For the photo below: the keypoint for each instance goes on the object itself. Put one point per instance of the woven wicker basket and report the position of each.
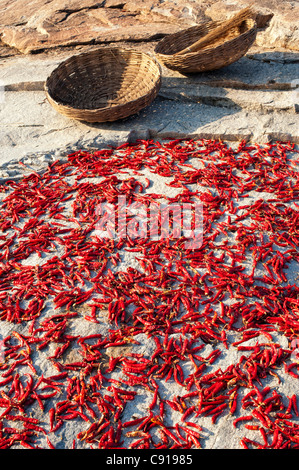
(220, 53)
(106, 84)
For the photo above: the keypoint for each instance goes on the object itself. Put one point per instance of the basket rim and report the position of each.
(113, 107)
(207, 49)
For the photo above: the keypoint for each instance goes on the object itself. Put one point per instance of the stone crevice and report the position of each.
(70, 11)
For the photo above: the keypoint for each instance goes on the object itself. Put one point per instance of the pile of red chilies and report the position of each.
(194, 305)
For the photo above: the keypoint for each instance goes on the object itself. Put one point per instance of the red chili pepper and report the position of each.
(169, 298)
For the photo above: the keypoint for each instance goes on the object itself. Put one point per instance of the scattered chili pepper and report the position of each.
(186, 300)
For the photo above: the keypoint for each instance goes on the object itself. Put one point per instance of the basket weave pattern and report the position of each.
(222, 52)
(104, 85)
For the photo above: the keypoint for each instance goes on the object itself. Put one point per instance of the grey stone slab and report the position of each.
(30, 124)
(274, 70)
(264, 101)
(27, 68)
(256, 69)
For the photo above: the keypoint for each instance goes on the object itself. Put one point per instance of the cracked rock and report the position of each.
(278, 22)
(64, 23)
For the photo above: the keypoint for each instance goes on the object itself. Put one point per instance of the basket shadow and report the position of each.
(181, 107)
(172, 116)
(191, 90)
(187, 102)
(255, 70)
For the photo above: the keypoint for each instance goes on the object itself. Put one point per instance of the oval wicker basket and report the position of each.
(106, 84)
(220, 53)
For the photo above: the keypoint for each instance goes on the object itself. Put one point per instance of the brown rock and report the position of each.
(283, 31)
(44, 24)
(183, 13)
(6, 51)
(69, 23)
(28, 40)
(220, 11)
(279, 19)
(114, 4)
(18, 12)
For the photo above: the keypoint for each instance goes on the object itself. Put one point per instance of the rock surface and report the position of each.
(278, 21)
(242, 101)
(65, 23)
(42, 24)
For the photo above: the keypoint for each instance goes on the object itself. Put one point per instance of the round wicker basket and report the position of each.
(223, 51)
(106, 84)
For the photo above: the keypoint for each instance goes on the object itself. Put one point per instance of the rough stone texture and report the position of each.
(282, 32)
(220, 10)
(64, 23)
(279, 20)
(29, 40)
(41, 24)
(242, 101)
